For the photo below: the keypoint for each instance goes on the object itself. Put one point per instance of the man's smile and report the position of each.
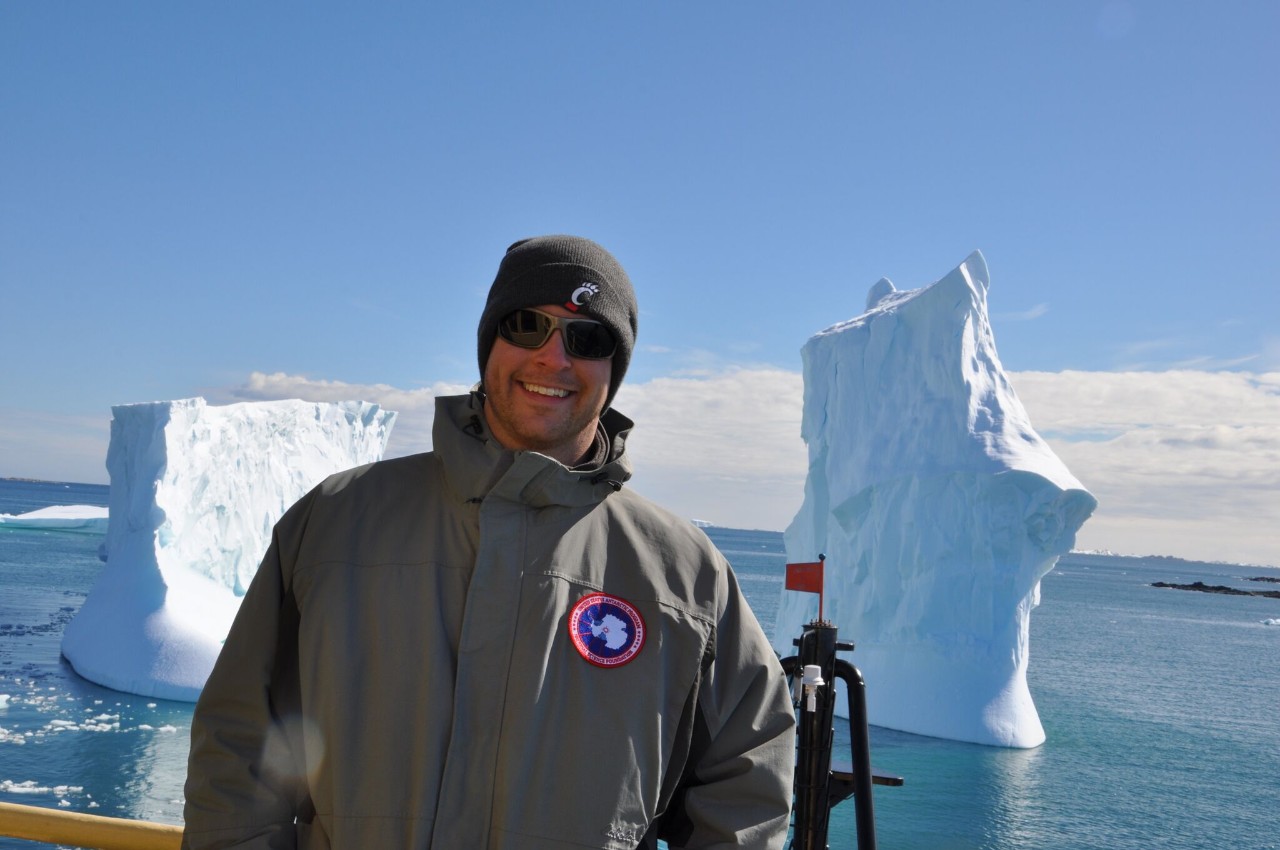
(553, 392)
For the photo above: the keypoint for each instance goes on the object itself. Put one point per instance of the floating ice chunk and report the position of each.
(29, 786)
(84, 519)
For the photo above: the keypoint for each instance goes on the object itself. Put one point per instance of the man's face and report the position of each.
(542, 399)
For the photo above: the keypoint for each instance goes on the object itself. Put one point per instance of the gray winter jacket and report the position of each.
(474, 648)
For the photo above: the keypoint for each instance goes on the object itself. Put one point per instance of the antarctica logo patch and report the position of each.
(606, 630)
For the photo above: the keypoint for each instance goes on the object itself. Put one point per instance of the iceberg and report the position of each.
(195, 492)
(80, 519)
(938, 508)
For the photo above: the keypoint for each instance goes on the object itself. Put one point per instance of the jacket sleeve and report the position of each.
(245, 783)
(737, 786)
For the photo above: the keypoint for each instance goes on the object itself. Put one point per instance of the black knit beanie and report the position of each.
(573, 272)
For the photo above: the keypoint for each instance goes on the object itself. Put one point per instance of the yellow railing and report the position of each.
(51, 826)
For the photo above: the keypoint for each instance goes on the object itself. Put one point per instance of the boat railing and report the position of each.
(76, 829)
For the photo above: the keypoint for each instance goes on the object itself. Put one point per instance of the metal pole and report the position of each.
(860, 743)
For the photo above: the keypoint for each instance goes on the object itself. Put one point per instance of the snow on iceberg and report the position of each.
(939, 509)
(195, 491)
(81, 519)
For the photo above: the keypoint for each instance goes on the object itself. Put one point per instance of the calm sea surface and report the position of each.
(1162, 709)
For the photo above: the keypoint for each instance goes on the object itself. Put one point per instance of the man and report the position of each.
(495, 645)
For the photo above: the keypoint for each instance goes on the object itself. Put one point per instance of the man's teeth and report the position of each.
(551, 391)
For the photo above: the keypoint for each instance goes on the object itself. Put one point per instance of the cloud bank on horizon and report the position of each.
(1183, 463)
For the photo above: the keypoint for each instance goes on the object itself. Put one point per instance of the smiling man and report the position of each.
(495, 644)
(545, 399)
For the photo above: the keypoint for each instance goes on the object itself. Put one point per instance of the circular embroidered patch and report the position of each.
(606, 630)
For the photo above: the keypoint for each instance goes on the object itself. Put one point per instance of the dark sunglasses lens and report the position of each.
(589, 339)
(525, 328)
(531, 329)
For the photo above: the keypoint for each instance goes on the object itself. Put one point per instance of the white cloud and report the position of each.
(1025, 316)
(1207, 363)
(1182, 463)
(725, 448)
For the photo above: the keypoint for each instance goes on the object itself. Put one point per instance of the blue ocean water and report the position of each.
(1162, 709)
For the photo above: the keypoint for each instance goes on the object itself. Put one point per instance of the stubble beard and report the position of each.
(570, 433)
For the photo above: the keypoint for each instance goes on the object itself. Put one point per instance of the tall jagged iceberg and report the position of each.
(939, 509)
(195, 492)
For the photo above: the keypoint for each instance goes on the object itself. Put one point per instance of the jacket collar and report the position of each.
(476, 466)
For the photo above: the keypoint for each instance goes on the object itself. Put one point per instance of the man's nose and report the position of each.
(553, 351)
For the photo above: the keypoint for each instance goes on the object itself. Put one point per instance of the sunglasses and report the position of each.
(583, 338)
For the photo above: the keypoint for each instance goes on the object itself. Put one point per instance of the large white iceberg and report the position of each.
(938, 507)
(195, 491)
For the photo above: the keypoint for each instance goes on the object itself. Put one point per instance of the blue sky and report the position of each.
(195, 194)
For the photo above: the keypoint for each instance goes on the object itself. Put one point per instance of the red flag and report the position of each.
(805, 577)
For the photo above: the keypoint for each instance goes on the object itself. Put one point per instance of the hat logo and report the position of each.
(606, 631)
(582, 295)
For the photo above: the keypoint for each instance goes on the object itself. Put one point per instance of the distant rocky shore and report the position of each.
(1220, 588)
